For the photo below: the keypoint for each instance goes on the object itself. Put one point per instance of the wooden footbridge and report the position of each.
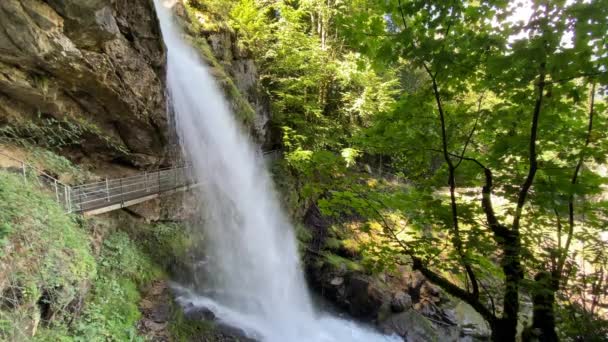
(112, 194)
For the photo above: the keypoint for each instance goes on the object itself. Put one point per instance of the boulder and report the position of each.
(401, 301)
(337, 281)
(198, 313)
(470, 322)
(411, 326)
(364, 299)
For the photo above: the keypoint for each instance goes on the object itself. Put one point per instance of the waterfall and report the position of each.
(258, 282)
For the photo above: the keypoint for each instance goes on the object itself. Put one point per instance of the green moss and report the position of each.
(333, 243)
(339, 262)
(167, 243)
(303, 234)
(290, 190)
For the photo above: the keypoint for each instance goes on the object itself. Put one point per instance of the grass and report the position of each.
(56, 164)
(112, 309)
(46, 258)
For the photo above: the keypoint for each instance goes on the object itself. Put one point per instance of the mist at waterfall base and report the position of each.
(253, 257)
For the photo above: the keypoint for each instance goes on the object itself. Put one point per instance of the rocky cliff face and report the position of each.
(88, 69)
(239, 64)
(232, 66)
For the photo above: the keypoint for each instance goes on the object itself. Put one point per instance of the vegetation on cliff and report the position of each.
(42, 275)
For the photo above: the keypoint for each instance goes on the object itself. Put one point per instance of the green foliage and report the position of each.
(121, 256)
(579, 324)
(316, 169)
(55, 164)
(44, 271)
(321, 93)
(112, 311)
(216, 9)
(166, 243)
(49, 132)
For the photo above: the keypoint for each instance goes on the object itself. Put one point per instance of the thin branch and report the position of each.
(587, 74)
(559, 236)
(470, 136)
(485, 289)
(574, 181)
(432, 276)
(460, 157)
(454, 290)
(533, 166)
(402, 15)
(380, 34)
(452, 183)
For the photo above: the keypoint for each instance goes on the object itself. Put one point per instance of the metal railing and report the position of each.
(31, 173)
(102, 194)
(110, 192)
(91, 196)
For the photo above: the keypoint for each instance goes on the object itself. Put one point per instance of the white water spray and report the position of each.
(252, 249)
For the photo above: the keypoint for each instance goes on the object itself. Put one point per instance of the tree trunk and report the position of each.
(511, 266)
(502, 330)
(543, 299)
(547, 284)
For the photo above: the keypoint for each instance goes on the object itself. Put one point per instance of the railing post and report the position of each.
(158, 173)
(107, 190)
(67, 195)
(122, 198)
(81, 201)
(146, 181)
(56, 190)
(24, 173)
(175, 178)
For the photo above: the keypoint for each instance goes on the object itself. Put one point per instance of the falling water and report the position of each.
(259, 285)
